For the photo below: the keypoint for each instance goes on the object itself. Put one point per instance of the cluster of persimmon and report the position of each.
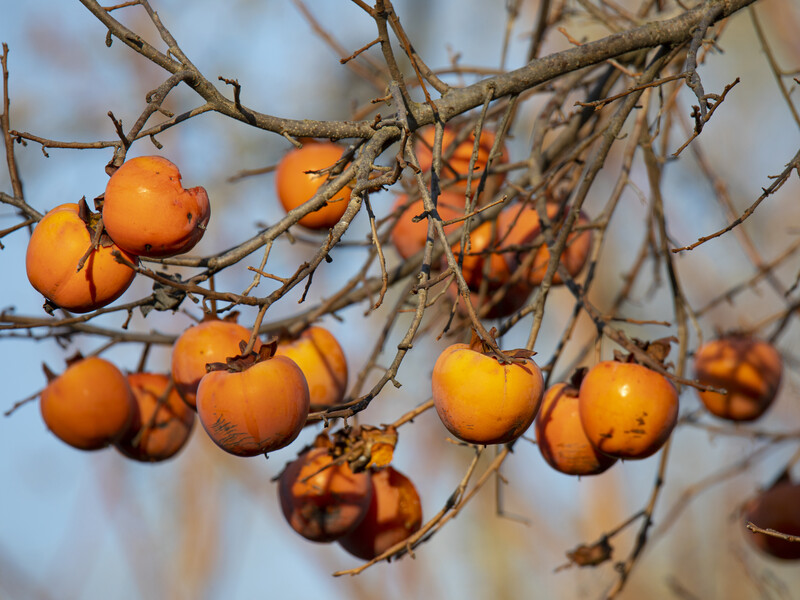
(145, 212)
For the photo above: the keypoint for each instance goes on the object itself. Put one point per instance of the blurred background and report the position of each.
(208, 525)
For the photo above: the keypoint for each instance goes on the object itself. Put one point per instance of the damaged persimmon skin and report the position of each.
(483, 401)
(147, 212)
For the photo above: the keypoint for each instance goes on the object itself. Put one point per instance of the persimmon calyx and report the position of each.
(517, 356)
(658, 350)
(242, 362)
(93, 221)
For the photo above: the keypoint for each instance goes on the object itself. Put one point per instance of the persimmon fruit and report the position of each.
(482, 401)
(253, 404)
(162, 421)
(296, 182)
(55, 249)
(210, 341)
(146, 210)
(90, 405)
(409, 237)
(394, 514)
(749, 369)
(323, 501)
(627, 410)
(777, 508)
(321, 358)
(560, 435)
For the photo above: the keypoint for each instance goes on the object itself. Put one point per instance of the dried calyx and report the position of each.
(242, 362)
(517, 356)
(657, 350)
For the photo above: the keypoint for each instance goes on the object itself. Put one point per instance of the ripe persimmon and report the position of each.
(560, 435)
(160, 427)
(522, 226)
(146, 210)
(58, 243)
(323, 501)
(319, 355)
(253, 404)
(296, 181)
(457, 166)
(776, 508)
(394, 513)
(409, 237)
(481, 400)
(749, 369)
(210, 341)
(627, 410)
(89, 405)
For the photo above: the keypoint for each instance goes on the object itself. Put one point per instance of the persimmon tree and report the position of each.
(538, 163)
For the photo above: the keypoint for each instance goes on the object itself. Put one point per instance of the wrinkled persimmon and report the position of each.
(88, 406)
(750, 370)
(560, 435)
(627, 410)
(482, 401)
(162, 422)
(210, 341)
(777, 508)
(409, 237)
(297, 180)
(323, 501)
(394, 513)
(147, 212)
(319, 355)
(55, 249)
(256, 404)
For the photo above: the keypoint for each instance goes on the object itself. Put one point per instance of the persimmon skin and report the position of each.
(323, 504)
(319, 355)
(394, 514)
(207, 342)
(776, 508)
(409, 237)
(147, 212)
(561, 438)
(627, 410)
(171, 428)
(481, 401)
(259, 410)
(88, 406)
(295, 186)
(56, 246)
(523, 227)
(459, 161)
(749, 369)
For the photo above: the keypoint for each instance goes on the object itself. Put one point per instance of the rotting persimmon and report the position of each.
(560, 435)
(90, 405)
(253, 404)
(483, 399)
(627, 410)
(456, 168)
(59, 241)
(777, 508)
(297, 180)
(749, 369)
(323, 500)
(162, 421)
(394, 514)
(212, 340)
(318, 354)
(147, 212)
(409, 237)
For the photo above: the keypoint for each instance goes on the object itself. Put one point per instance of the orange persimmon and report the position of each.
(159, 428)
(296, 182)
(57, 245)
(146, 210)
(323, 501)
(409, 237)
(88, 406)
(627, 410)
(749, 369)
(319, 355)
(210, 341)
(394, 513)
